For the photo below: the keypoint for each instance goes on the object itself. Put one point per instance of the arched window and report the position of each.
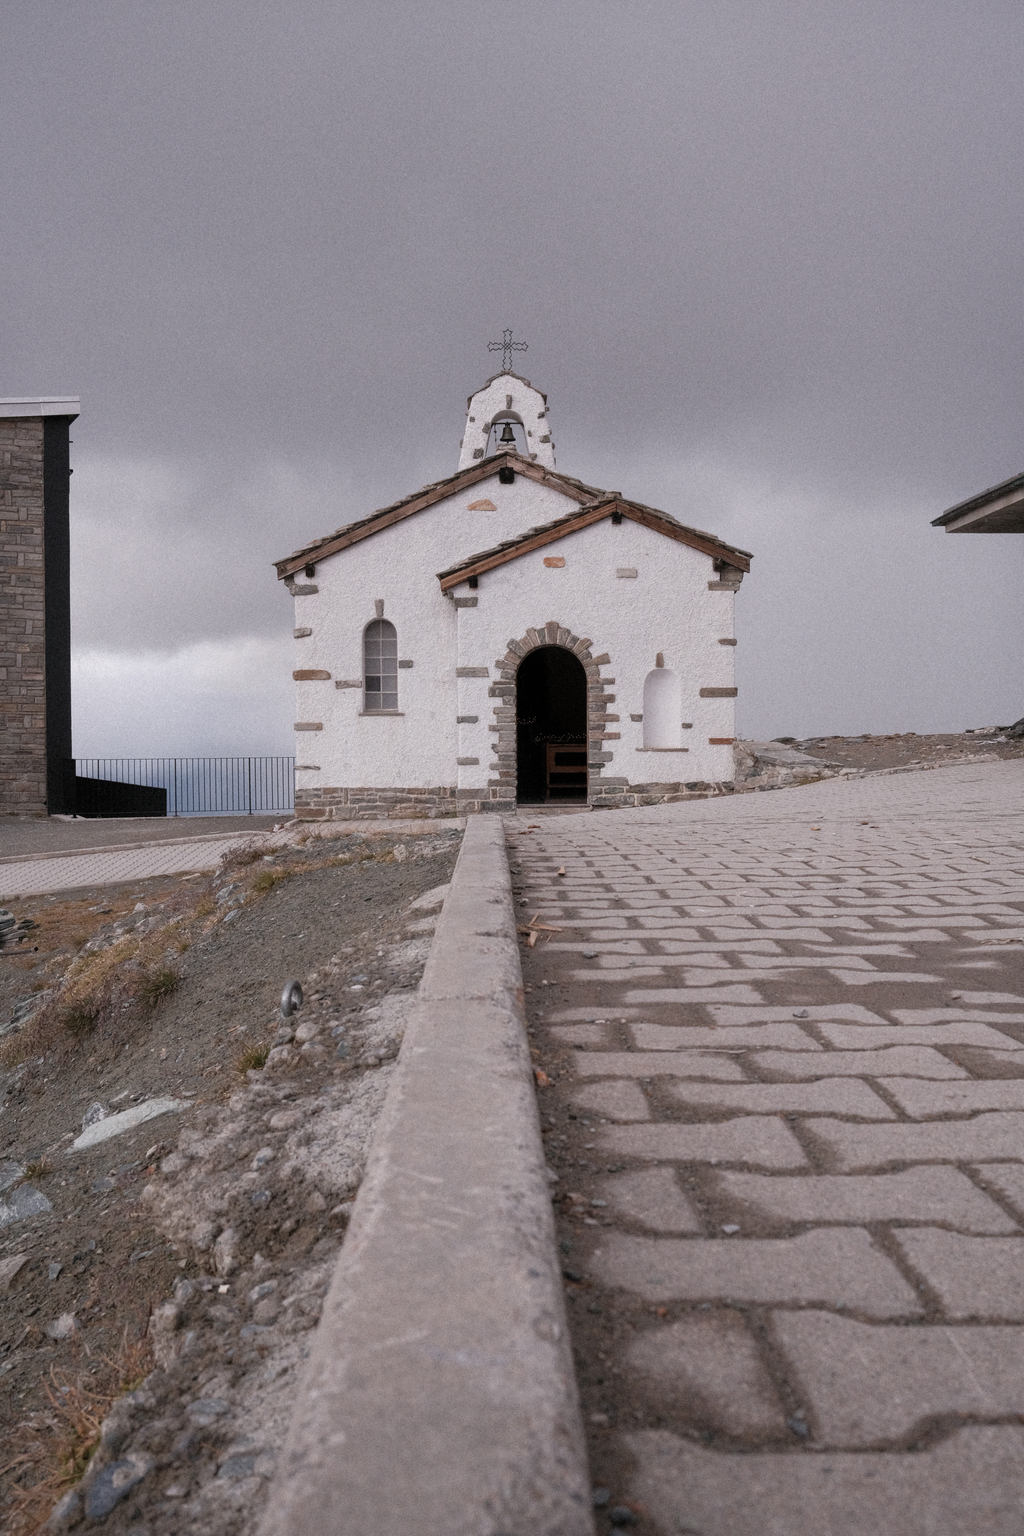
(380, 666)
(662, 708)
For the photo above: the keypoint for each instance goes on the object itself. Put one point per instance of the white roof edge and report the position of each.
(41, 405)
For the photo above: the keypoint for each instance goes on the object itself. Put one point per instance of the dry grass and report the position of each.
(48, 1453)
(158, 984)
(81, 1018)
(252, 1059)
(94, 991)
(249, 853)
(95, 988)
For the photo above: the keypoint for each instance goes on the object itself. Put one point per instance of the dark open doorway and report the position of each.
(551, 727)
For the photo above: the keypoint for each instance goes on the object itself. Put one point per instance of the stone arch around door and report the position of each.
(502, 786)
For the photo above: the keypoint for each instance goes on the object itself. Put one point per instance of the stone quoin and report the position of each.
(558, 643)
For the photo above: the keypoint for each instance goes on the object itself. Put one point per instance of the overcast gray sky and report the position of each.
(767, 257)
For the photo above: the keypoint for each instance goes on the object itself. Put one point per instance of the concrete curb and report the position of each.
(439, 1397)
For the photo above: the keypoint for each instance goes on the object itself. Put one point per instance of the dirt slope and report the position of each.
(221, 1217)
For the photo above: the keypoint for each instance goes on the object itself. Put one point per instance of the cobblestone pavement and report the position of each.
(791, 1027)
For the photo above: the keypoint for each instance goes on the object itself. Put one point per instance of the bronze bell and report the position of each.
(507, 435)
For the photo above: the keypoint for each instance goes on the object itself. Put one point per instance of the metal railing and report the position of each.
(199, 786)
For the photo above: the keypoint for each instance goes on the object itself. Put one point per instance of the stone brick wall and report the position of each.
(23, 765)
(369, 804)
(613, 794)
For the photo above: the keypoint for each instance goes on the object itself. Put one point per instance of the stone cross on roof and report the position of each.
(506, 347)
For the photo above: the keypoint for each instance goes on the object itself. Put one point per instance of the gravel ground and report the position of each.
(909, 750)
(199, 1242)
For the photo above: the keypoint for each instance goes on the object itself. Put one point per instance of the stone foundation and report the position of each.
(615, 794)
(369, 804)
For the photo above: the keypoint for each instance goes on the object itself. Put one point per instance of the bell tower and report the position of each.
(507, 416)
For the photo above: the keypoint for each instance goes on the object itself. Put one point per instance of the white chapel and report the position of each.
(510, 636)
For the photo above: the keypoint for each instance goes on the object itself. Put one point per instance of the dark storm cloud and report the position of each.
(767, 258)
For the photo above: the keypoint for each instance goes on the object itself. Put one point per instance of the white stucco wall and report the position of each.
(399, 565)
(491, 401)
(665, 608)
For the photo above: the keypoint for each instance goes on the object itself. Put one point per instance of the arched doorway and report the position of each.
(551, 726)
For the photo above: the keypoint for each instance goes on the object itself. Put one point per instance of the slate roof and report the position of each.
(594, 504)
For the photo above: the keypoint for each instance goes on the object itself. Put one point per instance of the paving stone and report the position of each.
(770, 1013)
(707, 1368)
(971, 1484)
(894, 1061)
(1007, 1179)
(922, 1099)
(726, 992)
(765, 1143)
(857, 1037)
(589, 1014)
(618, 1100)
(668, 1037)
(869, 1385)
(841, 958)
(652, 1197)
(972, 1276)
(591, 1035)
(999, 1134)
(828, 1267)
(958, 1015)
(829, 1096)
(735, 944)
(852, 978)
(731, 893)
(986, 1063)
(918, 1194)
(990, 999)
(716, 1065)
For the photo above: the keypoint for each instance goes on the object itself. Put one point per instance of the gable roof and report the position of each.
(594, 505)
(1000, 509)
(604, 506)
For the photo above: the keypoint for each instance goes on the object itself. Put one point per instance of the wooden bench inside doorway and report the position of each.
(566, 775)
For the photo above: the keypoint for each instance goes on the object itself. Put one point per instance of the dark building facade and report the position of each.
(35, 606)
